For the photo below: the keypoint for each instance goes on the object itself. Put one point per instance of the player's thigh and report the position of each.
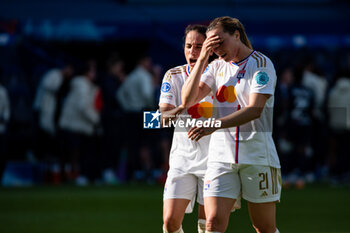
(201, 212)
(174, 210)
(261, 187)
(222, 180)
(200, 187)
(180, 186)
(200, 198)
(260, 184)
(221, 189)
(217, 210)
(220, 207)
(263, 216)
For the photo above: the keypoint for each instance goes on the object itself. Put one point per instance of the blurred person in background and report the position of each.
(21, 138)
(301, 164)
(339, 122)
(314, 79)
(282, 117)
(112, 120)
(45, 101)
(48, 101)
(135, 95)
(4, 119)
(79, 120)
(157, 72)
(163, 136)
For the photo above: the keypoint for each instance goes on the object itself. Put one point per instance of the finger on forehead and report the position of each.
(212, 36)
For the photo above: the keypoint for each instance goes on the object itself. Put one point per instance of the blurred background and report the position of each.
(71, 106)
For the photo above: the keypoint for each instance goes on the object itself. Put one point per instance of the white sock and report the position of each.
(277, 231)
(178, 231)
(201, 225)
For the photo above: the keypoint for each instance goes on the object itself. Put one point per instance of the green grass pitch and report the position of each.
(138, 208)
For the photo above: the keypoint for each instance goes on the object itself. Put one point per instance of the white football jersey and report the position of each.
(185, 155)
(232, 84)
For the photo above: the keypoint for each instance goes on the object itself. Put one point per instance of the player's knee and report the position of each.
(265, 228)
(214, 223)
(171, 224)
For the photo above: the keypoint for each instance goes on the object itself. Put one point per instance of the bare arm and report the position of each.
(191, 91)
(242, 116)
(249, 113)
(169, 113)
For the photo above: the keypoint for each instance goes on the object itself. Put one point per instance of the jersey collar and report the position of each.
(188, 72)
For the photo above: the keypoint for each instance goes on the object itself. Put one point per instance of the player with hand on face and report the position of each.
(188, 158)
(242, 156)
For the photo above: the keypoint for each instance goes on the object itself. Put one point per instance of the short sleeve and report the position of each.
(168, 90)
(264, 80)
(208, 76)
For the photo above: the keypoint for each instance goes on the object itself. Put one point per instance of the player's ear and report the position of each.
(236, 35)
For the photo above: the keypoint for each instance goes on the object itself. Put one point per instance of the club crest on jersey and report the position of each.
(262, 78)
(207, 185)
(166, 87)
(241, 74)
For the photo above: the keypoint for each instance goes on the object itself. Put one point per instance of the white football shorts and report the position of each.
(181, 185)
(256, 183)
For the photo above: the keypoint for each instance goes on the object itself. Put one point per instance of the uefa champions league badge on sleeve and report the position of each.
(262, 78)
(166, 87)
(151, 119)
